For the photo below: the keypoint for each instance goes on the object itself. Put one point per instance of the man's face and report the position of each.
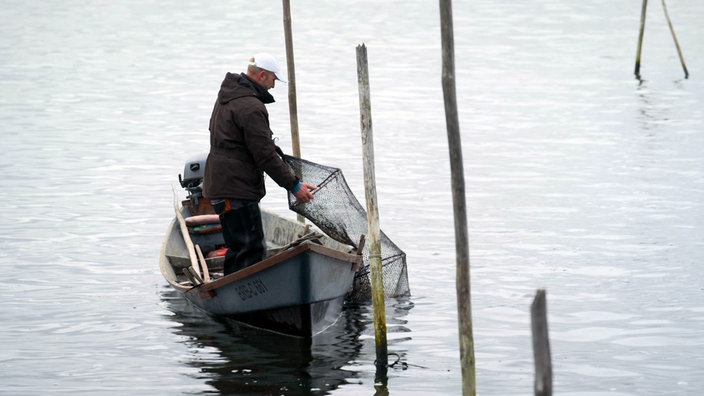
(267, 79)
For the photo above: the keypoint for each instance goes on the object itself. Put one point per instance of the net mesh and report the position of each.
(336, 211)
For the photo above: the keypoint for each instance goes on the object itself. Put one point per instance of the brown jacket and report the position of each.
(241, 145)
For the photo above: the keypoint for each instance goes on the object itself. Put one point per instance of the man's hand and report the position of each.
(304, 193)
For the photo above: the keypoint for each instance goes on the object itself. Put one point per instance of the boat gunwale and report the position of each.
(353, 259)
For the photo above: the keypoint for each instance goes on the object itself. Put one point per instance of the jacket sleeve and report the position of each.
(258, 139)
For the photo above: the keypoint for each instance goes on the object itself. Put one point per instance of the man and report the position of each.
(241, 150)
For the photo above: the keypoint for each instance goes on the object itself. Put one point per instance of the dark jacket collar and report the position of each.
(240, 85)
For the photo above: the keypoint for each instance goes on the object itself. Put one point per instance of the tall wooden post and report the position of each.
(464, 301)
(292, 101)
(290, 65)
(372, 209)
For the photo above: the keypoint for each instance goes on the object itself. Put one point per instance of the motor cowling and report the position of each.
(192, 178)
(193, 172)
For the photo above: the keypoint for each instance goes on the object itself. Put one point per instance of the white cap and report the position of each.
(267, 62)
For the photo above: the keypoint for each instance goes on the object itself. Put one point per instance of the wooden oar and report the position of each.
(185, 234)
(203, 264)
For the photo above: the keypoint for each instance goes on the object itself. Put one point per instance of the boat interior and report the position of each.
(281, 234)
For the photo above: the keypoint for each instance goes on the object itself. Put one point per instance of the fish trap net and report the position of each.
(338, 213)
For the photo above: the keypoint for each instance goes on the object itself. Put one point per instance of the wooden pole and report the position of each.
(372, 209)
(292, 101)
(541, 346)
(640, 37)
(290, 65)
(674, 37)
(464, 302)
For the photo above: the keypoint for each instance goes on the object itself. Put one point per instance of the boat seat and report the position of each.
(184, 261)
(312, 236)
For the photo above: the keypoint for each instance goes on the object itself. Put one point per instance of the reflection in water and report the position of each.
(660, 103)
(237, 359)
(233, 358)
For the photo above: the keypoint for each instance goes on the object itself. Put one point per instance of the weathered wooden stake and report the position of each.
(290, 65)
(374, 238)
(292, 101)
(541, 346)
(640, 37)
(674, 37)
(464, 301)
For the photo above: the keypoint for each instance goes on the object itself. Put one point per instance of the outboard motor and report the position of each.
(192, 180)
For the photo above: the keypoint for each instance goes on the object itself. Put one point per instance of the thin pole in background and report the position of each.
(464, 300)
(640, 37)
(674, 37)
(642, 32)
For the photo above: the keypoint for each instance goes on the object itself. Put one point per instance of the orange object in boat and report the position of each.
(217, 252)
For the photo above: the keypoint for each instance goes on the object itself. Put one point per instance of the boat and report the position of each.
(297, 290)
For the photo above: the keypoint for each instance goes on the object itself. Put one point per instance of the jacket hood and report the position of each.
(238, 86)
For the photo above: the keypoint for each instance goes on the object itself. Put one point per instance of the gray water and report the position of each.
(580, 180)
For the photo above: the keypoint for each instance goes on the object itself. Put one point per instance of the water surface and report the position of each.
(580, 180)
